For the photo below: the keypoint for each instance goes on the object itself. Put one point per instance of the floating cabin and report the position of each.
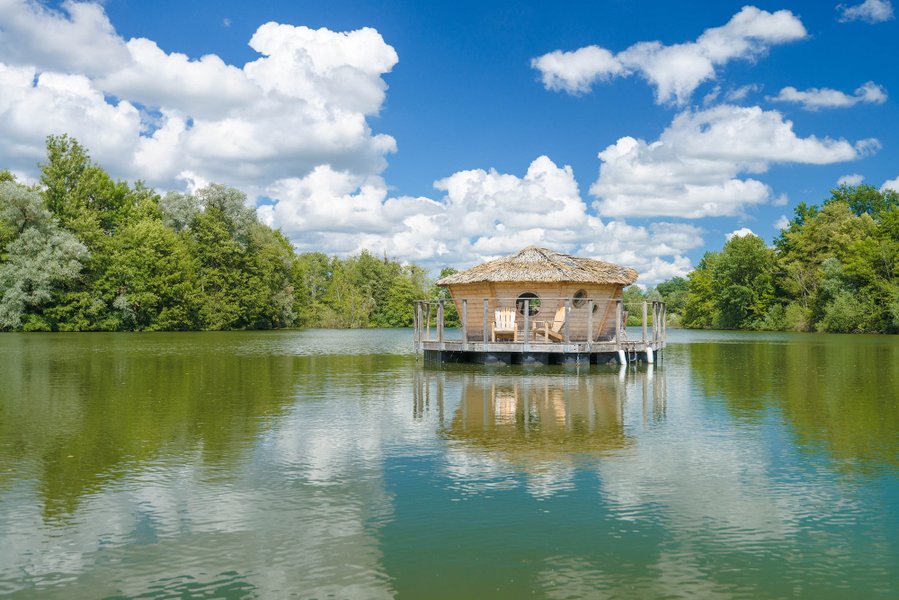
(538, 307)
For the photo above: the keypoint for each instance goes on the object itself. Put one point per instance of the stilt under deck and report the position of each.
(598, 345)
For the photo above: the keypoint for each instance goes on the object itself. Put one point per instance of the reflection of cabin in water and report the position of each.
(541, 415)
(530, 419)
(538, 306)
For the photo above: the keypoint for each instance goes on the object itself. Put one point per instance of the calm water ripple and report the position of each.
(331, 464)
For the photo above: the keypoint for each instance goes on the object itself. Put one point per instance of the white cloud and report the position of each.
(853, 179)
(693, 170)
(34, 105)
(146, 113)
(291, 126)
(782, 223)
(575, 72)
(818, 98)
(200, 88)
(482, 215)
(78, 39)
(870, 11)
(739, 94)
(677, 70)
(742, 232)
(890, 184)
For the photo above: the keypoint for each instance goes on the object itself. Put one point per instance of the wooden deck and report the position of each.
(476, 345)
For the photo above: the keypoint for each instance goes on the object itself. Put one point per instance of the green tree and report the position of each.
(743, 281)
(674, 294)
(865, 199)
(151, 277)
(39, 259)
(270, 262)
(221, 271)
(80, 193)
(700, 309)
(310, 276)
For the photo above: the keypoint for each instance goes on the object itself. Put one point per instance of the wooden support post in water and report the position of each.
(644, 320)
(486, 315)
(590, 321)
(567, 320)
(465, 323)
(440, 321)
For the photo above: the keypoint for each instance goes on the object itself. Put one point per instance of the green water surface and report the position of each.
(332, 464)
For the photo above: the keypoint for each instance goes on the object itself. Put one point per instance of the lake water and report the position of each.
(332, 464)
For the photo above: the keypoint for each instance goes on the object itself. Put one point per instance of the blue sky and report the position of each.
(337, 118)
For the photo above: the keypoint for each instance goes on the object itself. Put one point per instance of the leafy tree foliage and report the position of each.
(674, 293)
(85, 252)
(835, 268)
(39, 258)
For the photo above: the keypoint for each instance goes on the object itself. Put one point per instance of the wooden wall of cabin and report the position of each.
(552, 296)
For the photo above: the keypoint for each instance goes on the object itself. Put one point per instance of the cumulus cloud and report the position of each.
(853, 179)
(693, 170)
(78, 39)
(481, 215)
(34, 105)
(676, 70)
(890, 184)
(575, 72)
(290, 126)
(818, 98)
(869, 11)
(741, 232)
(151, 114)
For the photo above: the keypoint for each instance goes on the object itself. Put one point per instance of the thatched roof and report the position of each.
(534, 264)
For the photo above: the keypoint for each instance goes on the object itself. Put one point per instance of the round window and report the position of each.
(580, 298)
(531, 300)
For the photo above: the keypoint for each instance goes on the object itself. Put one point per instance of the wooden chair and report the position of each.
(503, 326)
(552, 330)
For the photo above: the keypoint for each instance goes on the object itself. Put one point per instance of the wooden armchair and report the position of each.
(503, 326)
(552, 330)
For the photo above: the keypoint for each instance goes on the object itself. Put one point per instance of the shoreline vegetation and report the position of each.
(82, 252)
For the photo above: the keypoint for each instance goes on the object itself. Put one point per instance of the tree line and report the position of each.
(834, 268)
(83, 252)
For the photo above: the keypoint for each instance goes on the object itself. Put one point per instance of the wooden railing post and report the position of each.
(486, 314)
(617, 322)
(644, 319)
(418, 316)
(655, 321)
(664, 322)
(590, 321)
(440, 321)
(465, 322)
(567, 320)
